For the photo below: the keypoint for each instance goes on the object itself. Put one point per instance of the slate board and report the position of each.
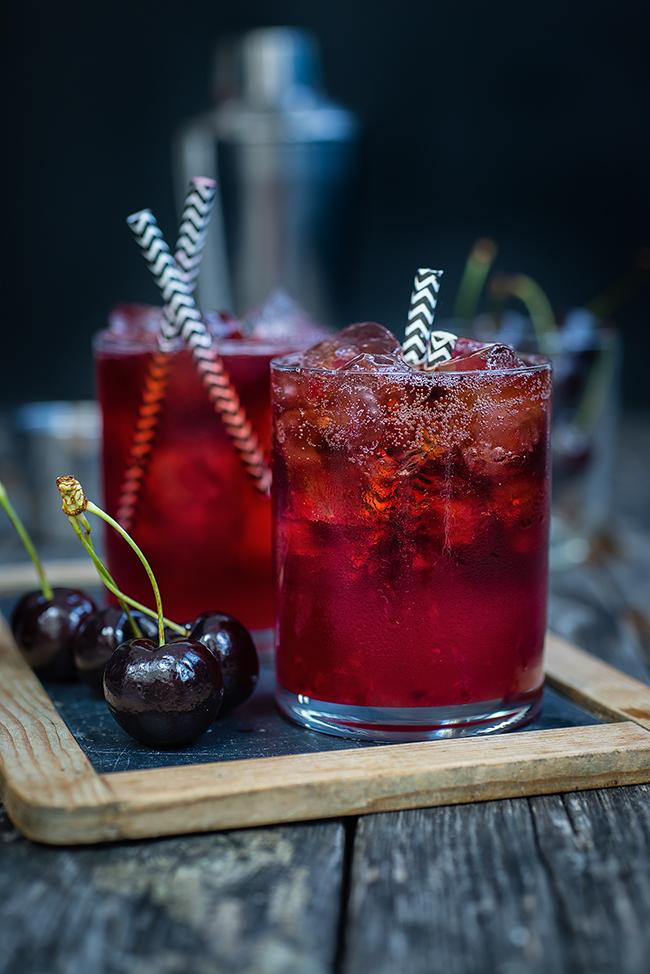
(254, 730)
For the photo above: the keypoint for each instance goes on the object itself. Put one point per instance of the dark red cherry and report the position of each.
(45, 630)
(99, 636)
(230, 642)
(163, 696)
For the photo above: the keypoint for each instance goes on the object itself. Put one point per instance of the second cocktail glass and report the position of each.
(204, 525)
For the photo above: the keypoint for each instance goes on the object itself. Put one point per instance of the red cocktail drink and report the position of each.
(203, 525)
(411, 537)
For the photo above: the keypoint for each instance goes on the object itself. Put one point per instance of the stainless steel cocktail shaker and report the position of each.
(283, 154)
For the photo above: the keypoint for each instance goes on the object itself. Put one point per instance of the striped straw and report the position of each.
(422, 347)
(420, 315)
(189, 247)
(439, 348)
(194, 228)
(182, 318)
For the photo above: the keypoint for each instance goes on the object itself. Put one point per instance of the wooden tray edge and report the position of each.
(598, 687)
(53, 795)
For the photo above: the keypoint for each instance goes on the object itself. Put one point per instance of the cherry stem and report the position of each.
(145, 564)
(75, 504)
(46, 588)
(112, 587)
(102, 571)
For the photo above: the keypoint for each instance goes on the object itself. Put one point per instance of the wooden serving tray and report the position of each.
(53, 794)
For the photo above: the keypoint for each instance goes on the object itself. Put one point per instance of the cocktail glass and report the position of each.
(411, 514)
(203, 524)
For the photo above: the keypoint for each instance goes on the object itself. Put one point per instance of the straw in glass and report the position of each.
(182, 319)
(420, 315)
(189, 247)
(422, 347)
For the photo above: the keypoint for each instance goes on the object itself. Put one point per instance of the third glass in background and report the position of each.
(585, 415)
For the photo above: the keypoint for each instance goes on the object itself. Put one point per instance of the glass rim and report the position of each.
(533, 362)
(107, 341)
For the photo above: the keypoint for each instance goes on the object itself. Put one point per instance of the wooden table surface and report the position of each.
(553, 884)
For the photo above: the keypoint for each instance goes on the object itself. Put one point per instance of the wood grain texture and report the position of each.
(260, 901)
(41, 765)
(595, 848)
(548, 885)
(302, 787)
(603, 689)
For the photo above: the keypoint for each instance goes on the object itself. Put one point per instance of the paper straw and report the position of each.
(155, 385)
(182, 318)
(439, 348)
(420, 315)
(422, 347)
(194, 228)
(189, 247)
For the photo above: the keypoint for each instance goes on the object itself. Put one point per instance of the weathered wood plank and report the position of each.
(532, 886)
(451, 891)
(594, 684)
(41, 764)
(262, 901)
(595, 848)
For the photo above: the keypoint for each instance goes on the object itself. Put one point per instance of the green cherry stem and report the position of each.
(110, 583)
(46, 588)
(477, 268)
(102, 571)
(154, 584)
(539, 308)
(75, 504)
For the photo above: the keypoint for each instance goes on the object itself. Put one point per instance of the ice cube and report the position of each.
(489, 357)
(221, 324)
(372, 362)
(135, 322)
(507, 423)
(451, 516)
(464, 346)
(518, 500)
(364, 337)
(281, 318)
(142, 323)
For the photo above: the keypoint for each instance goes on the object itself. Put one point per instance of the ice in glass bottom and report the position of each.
(404, 724)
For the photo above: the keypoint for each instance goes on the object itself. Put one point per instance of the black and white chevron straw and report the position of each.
(420, 315)
(182, 318)
(189, 246)
(422, 346)
(194, 228)
(439, 348)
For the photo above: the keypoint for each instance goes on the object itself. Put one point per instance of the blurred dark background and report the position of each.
(525, 123)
